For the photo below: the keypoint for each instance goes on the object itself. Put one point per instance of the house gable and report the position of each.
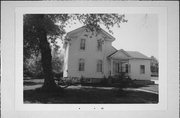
(122, 54)
(75, 33)
(137, 55)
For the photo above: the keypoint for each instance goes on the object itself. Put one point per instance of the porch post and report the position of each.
(111, 67)
(121, 67)
(128, 68)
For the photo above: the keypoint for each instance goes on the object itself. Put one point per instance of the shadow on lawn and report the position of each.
(30, 83)
(89, 95)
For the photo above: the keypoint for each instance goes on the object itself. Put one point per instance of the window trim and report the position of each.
(99, 45)
(82, 44)
(99, 65)
(142, 69)
(81, 65)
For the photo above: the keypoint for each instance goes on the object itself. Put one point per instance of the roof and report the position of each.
(69, 34)
(136, 54)
(128, 55)
(112, 53)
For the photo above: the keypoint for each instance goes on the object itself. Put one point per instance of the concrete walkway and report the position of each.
(132, 89)
(38, 83)
(151, 89)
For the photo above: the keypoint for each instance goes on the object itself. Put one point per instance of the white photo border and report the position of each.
(162, 43)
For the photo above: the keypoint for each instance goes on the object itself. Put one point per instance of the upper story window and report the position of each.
(142, 69)
(81, 64)
(99, 45)
(99, 66)
(82, 44)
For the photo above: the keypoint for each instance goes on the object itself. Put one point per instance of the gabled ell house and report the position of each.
(91, 55)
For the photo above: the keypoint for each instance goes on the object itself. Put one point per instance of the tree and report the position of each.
(154, 65)
(32, 67)
(57, 60)
(42, 29)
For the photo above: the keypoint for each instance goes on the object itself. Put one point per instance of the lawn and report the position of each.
(85, 94)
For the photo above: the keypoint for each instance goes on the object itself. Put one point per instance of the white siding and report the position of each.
(135, 69)
(91, 56)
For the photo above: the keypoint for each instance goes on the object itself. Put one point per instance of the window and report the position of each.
(126, 70)
(99, 66)
(118, 69)
(81, 64)
(82, 44)
(142, 69)
(99, 45)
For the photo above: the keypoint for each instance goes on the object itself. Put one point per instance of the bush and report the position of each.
(122, 81)
(82, 81)
(58, 75)
(104, 81)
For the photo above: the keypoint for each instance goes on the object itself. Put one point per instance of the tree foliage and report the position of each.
(95, 20)
(32, 25)
(154, 65)
(55, 24)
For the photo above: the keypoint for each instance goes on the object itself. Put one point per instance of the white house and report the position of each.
(91, 55)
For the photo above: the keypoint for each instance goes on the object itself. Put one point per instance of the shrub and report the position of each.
(104, 81)
(122, 81)
(82, 80)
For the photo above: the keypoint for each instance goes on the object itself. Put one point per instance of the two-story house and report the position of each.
(91, 55)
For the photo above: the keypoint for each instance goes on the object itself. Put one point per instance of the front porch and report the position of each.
(119, 67)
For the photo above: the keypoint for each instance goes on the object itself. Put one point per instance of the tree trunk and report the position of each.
(46, 60)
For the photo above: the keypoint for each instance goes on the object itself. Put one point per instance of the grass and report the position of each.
(88, 95)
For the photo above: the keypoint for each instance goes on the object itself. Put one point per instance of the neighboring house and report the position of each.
(91, 55)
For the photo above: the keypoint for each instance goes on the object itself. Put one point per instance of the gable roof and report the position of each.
(128, 55)
(136, 54)
(112, 53)
(69, 34)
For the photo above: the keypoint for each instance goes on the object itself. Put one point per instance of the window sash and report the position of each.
(99, 45)
(81, 65)
(99, 66)
(127, 68)
(142, 69)
(82, 44)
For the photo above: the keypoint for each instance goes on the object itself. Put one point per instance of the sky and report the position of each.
(140, 33)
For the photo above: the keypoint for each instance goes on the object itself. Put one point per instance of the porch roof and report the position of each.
(125, 55)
